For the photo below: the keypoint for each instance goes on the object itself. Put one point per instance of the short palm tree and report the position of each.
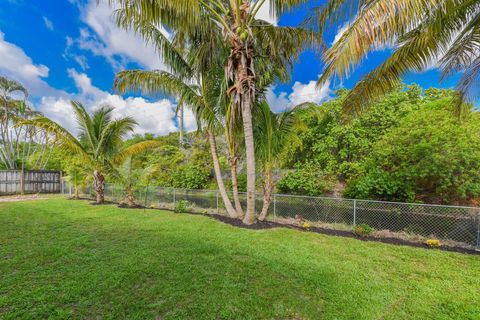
(99, 143)
(273, 133)
(247, 38)
(129, 177)
(445, 33)
(77, 177)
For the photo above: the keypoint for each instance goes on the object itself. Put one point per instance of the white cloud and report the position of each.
(156, 117)
(85, 87)
(108, 40)
(48, 23)
(301, 93)
(82, 62)
(16, 64)
(68, 54)
(340, 32)
(265, 14)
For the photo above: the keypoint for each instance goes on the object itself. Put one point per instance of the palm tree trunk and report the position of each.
(241, 72)
(218, 175)
(250, 158)
(182, 114)
(99, 184)
(267, 194)
(236, 197)
(76, 193)
(130, 197)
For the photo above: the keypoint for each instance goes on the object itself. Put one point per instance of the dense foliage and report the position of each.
(409, 146)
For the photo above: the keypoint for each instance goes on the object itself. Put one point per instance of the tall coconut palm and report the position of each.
(243, 33)
(99, 142)
(273, 133)
(201, 94)
(422, 33)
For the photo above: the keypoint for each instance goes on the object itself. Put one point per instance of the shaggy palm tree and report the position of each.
(99, 142)
(246, 36)
(445, 33)
(201, 94)
(273, 133)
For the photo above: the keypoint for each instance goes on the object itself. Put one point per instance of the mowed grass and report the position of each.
(63, 259)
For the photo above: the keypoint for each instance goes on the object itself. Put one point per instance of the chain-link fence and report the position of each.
(455, 225)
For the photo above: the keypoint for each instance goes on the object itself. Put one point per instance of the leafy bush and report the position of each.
(181, 206)
(363, 230)
(190, 177)
(308, 180)
(430, 157)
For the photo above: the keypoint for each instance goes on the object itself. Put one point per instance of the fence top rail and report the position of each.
(36, 171)
(337, 199)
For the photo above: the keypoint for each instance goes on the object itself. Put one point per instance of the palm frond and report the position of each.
(135, 149)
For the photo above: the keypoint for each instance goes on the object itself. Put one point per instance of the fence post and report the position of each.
(146, 197)
(478, 232)
(274, 207)
(354, 212)
(174, 199)
(22, 181)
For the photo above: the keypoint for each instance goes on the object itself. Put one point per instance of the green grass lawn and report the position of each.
(64, 259)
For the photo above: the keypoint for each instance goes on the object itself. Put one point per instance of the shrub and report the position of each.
(433, 243)
(190, 177)
(306, 226)
(181, 206)
(363, 230)
(308, 180)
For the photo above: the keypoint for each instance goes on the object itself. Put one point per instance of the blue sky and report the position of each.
(71, 49)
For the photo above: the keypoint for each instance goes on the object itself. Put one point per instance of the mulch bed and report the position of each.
(261, 225)
(264, 225)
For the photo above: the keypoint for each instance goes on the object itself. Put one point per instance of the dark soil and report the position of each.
(264, 225)
(126, 206)
(101, 204)
(260, 225)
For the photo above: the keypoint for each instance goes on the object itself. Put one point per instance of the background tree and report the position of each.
(99, 141)
(273, 132)
(18, 142)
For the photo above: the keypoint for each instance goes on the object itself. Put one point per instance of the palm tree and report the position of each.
(233, 130)
(11, 108)
(445, 33)
(201, 94)
(99, 143)
(130, 176)
(77, 177)
(246, 36)
(273, 133)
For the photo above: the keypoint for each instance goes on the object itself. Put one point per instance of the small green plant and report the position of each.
(363, 230)
(204, 211)
(181, 206)
(306, 225)
(433, 243)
